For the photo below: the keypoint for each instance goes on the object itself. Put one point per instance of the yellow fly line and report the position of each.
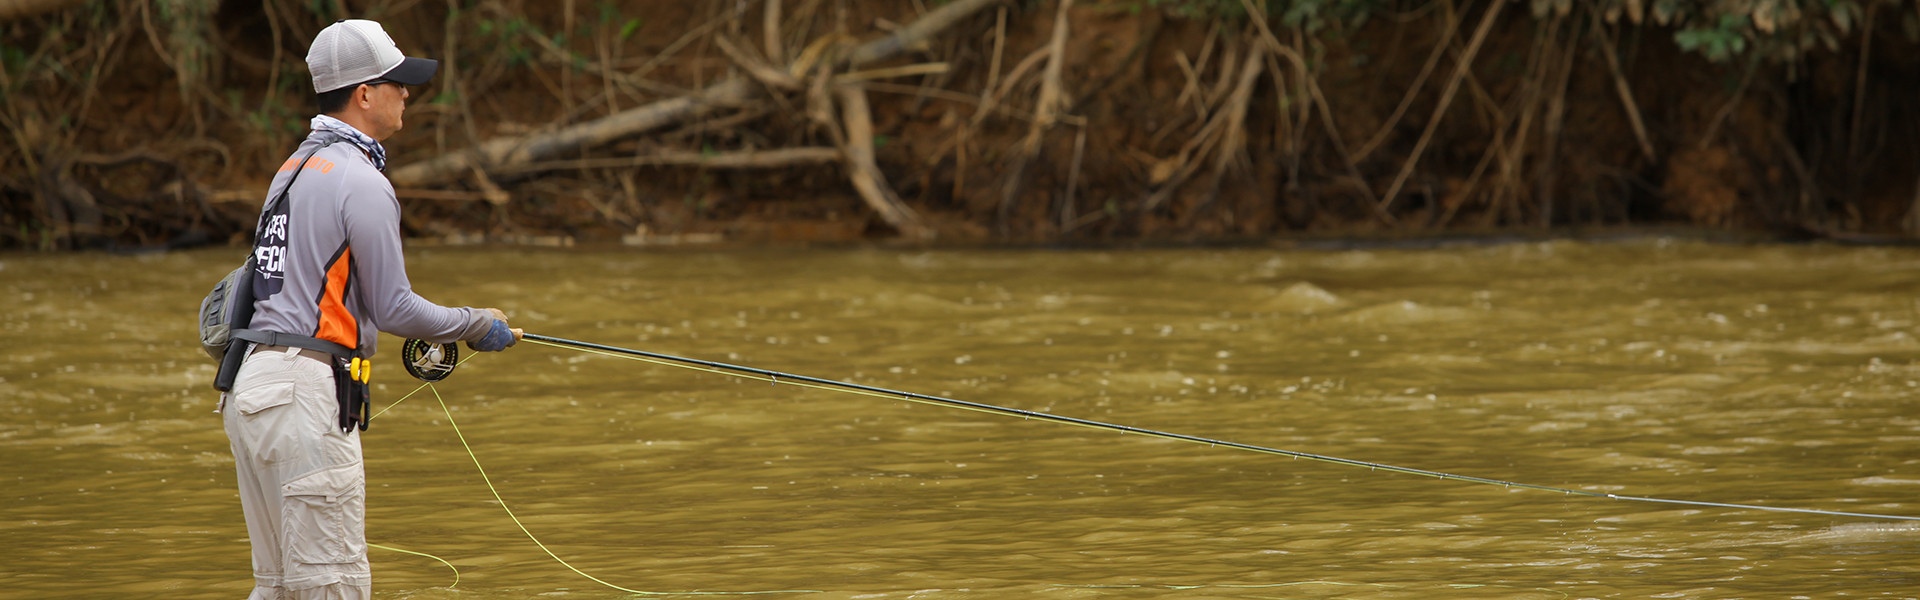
(523, 527)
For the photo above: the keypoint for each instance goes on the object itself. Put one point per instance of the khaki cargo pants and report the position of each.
(302, 483)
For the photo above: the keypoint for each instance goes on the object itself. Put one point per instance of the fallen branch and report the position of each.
(757, 159)
(507, 152)
(865, 173)
(768, 75)
(891, 72)
(733, 92)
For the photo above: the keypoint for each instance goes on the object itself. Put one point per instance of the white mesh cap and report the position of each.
(355, 51)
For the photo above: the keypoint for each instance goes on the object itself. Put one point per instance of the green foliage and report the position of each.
(505, 33)
(1719, 30)
(13, 59)
(1782, 30)
(1719, 41)
(324, 8)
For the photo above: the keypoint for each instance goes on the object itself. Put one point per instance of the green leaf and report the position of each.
(632, 25)
(15, 59)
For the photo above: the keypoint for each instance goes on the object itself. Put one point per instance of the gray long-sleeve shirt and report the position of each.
(332, 264)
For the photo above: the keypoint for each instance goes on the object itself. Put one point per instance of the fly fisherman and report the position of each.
(330, 276)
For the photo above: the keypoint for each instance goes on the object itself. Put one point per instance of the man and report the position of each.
(330, 276)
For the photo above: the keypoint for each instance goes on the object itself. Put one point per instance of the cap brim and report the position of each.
(413, 71)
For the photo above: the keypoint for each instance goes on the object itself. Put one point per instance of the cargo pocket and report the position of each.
(325, 516)
(274, 389)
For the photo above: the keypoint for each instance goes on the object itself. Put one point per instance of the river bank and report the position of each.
(974, 121)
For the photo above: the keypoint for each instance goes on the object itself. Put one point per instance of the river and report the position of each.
(1765, 375)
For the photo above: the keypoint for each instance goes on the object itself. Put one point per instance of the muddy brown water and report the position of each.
(1747, 374)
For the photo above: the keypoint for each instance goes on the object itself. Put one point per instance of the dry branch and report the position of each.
(1006, 85)
(757, 159)
(508, 152)
(1047, 111)
(768, 75)
(865, 172)
(1326, 112)
(1420, 81)
(1233, 145)
(1220, 137)
(770, 30)
(1446, 98)
(1067, 208)
(1052, 102)
(1625, 92)
(891, 72)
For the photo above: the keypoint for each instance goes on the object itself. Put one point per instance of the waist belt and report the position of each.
(271, 338)
(323, 357)
(351, 372)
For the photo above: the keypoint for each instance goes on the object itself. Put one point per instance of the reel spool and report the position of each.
(429, 362)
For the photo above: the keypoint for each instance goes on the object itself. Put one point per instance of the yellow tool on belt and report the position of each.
(360, 370)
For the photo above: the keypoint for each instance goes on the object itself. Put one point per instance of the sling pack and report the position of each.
(226, 311)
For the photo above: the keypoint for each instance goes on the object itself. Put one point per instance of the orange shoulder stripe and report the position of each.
(337, 324)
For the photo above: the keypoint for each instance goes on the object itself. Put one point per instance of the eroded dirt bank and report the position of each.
(137, 124)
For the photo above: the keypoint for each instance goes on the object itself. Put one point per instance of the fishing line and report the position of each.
(543, 546)
(415, 391)
(440, 371)
(456, 570)
(776, 378)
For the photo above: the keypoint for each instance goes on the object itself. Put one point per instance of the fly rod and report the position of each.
(776, 378)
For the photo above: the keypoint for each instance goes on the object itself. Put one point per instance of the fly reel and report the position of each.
(428, 361)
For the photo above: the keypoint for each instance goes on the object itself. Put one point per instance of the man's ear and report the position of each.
(363, 96)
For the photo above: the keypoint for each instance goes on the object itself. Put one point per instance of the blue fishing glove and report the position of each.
(498, 338)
